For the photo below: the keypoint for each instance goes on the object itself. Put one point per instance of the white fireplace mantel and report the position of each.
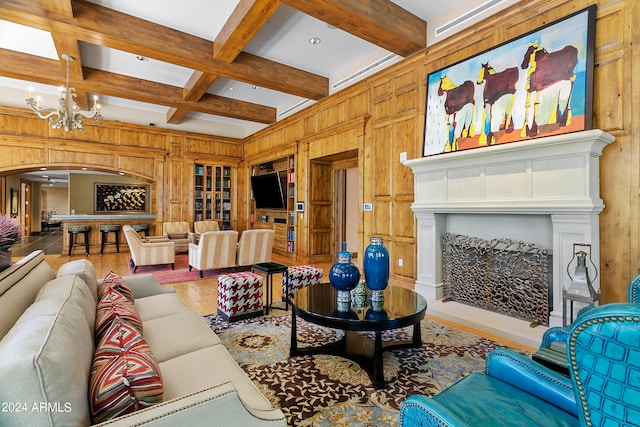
(557, 176)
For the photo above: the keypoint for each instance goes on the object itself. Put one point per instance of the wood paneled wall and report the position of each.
(394, 102)
(164, 158)
(389, 110)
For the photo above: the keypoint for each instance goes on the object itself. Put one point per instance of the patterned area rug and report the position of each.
(332, 391)
(165, 275)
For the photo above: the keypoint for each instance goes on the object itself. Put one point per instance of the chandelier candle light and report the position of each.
(67, 115)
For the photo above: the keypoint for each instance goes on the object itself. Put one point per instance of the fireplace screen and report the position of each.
(500, 275)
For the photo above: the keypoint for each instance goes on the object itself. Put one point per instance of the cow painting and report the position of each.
(550, 75)
(458, 106)
(498, 97)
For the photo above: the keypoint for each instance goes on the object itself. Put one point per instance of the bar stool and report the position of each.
(78, 229)
(105, 229)
(144, 228)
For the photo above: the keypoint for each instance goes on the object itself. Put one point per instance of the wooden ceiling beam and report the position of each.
(196, 87)
(46, 71)
(380, 22)
(106, 27)
(63, 9)
(245, 21)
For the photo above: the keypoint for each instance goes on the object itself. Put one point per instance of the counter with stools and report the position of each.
(73, 231)
(105, 229)
(95, 236)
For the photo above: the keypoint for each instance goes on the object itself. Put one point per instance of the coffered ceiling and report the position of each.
(223, 67)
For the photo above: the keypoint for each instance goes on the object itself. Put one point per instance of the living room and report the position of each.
(372, 122)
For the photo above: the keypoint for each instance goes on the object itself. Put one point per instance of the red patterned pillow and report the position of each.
(112, 305)
(125, 375)
(114, 281)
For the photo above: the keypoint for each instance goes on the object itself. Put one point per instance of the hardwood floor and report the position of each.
(201, 295)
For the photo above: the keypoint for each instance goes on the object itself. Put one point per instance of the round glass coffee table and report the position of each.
(400, 308)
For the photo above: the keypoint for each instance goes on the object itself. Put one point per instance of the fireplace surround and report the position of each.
(544, 190)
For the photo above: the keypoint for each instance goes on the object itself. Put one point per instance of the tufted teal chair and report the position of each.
(559, 334)
(604, 359)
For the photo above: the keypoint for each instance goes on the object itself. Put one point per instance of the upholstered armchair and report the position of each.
(604, 361)
(554, 339)
(200, 227)
(179, 232)
(255, 246)
(215, 249)
(149, 252)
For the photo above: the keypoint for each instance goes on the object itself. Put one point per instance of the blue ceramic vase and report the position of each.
(376, 267)
(344, 275)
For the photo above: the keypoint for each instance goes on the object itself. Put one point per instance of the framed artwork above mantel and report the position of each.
(538, 84)
(121, 197)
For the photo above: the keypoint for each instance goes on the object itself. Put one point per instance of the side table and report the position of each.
(269, 269)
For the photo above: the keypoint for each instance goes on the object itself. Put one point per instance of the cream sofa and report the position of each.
(47, 347)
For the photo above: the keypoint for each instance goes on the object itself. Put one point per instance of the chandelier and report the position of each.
(67, 115)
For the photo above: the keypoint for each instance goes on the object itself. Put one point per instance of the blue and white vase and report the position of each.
(376, 268)
(344, 275)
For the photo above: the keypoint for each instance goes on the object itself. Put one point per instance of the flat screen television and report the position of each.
(268, 190)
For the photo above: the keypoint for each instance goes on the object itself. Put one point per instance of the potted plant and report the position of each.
(10, 233)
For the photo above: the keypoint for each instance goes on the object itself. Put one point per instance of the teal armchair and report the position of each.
(603, 350)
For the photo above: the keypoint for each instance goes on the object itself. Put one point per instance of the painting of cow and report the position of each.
(498, 99)
(553, 72)
(458, 106)
(538, 84)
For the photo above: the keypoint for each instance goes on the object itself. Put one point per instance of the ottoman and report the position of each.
(299, 276)
(239, 295)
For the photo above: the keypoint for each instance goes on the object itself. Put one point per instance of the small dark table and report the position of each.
(318, 304)
(269, 269)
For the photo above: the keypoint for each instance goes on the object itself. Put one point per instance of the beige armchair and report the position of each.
(180, 233)
(200, 227)
(215, 249)
(255, 246)
(149, 253)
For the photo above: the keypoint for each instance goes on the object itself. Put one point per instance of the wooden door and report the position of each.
(320, 212)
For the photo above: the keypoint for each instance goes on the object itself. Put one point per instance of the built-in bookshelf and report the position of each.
(212, 195)
(283, 221)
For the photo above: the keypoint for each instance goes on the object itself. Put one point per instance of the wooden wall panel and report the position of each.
(16, 155)
(403, 219)
(609, 93)
(24, 126)
(135, 138)
(100, 161)
(381, 150)
(143, 167)
(404, 136)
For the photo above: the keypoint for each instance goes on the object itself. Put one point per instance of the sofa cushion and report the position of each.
(178, 334)
(83, 268)
(75, 288)
(114, 281)
(45, 361)
(181, 376)
(19, 285)
(112, 305)
(177, 236)
(125, 375)
(159, 305)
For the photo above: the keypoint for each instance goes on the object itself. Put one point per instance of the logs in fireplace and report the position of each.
(502, 275)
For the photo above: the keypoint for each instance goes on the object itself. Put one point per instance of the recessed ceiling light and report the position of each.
(142, 58)
(231, 88)
(254, 87)
(43, 169)
(314, 40)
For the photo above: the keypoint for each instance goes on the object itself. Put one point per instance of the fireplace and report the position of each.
(545, 191)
